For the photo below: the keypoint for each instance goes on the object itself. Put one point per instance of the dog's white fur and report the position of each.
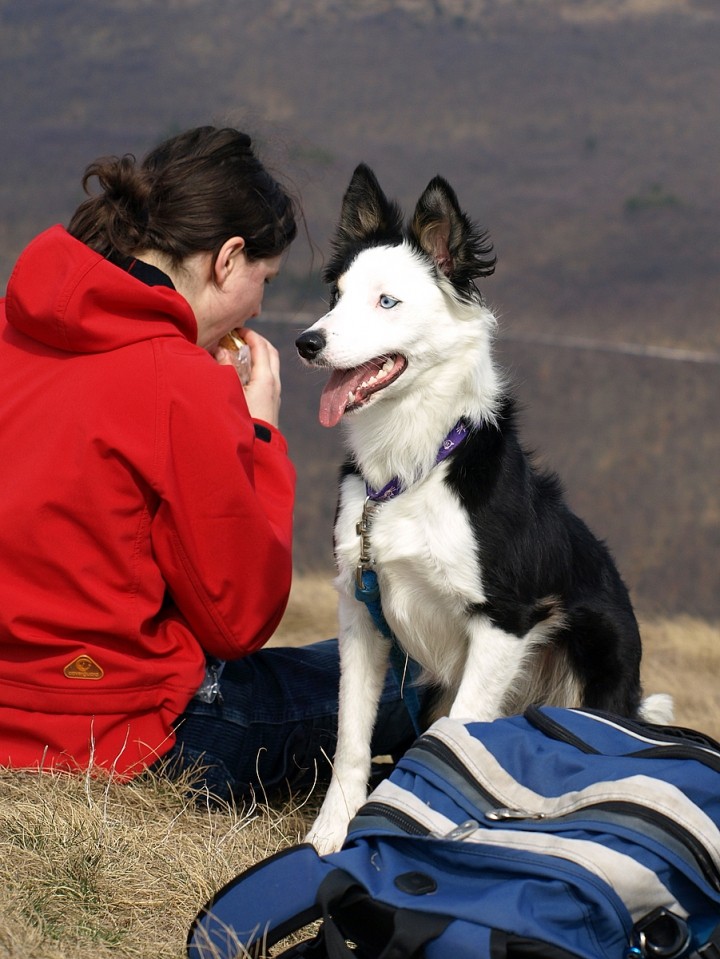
(423, 546)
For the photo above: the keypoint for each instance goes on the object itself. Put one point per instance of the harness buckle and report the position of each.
(362, 528)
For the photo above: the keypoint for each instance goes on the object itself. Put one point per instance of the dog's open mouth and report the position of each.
(350, 389)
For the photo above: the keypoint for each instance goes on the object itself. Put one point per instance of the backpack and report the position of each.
(562, 834)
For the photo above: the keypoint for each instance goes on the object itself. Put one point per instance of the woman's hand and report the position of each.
(262, 390)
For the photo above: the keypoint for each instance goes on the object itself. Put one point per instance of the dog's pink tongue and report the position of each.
(334, 398)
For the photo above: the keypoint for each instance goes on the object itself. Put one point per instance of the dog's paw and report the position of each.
(346, 794)
(327, 836)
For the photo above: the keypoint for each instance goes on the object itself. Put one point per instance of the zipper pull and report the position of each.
(465, 829)
(499, 815)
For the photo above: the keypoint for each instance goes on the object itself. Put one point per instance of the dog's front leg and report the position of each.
(495, 663)
(364, 655)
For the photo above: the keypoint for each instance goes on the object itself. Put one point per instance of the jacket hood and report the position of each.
(63, 294)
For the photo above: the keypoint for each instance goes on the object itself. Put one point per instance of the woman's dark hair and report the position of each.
(189, 195)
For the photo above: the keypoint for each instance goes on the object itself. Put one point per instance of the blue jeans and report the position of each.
(274, 724)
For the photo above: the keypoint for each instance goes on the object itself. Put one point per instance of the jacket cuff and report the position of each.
(269, 434)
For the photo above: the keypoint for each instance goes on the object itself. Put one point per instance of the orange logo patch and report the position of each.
(83, 667)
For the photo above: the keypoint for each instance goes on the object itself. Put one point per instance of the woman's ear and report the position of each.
(227, 260)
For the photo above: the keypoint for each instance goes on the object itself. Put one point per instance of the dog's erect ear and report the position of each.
(367, 218)
(366, 212)
(439, 227)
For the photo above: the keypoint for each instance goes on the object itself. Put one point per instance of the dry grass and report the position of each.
(682, 656)
(91, 868)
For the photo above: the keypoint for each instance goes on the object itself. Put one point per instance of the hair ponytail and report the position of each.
(116, 218)
(189, 195)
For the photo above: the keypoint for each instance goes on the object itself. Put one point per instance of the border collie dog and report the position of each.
(486, 579)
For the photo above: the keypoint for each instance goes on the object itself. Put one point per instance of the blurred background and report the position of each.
(584, 134)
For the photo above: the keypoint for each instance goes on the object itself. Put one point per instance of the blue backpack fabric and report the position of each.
(562, 834)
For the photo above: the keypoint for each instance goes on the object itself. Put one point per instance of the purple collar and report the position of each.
(451, 442)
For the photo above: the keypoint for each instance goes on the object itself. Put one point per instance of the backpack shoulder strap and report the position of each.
(260, 906)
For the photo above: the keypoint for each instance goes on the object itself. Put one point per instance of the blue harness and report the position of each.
(405, 670)
(367, 589)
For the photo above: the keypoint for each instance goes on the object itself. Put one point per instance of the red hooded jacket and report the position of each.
(142, 521)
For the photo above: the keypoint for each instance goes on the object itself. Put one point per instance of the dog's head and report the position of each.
(400, 297)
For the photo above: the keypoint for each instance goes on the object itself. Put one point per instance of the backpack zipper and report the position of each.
(412, 827)
(687, 840)
(660, 741)
(447, 757)
(498, 813)
(390, 814)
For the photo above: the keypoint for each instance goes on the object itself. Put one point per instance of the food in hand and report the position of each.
(239, 353)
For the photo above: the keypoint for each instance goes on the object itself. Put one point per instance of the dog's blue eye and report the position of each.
(387, 302)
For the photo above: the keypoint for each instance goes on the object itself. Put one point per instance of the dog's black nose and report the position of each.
(310, 343)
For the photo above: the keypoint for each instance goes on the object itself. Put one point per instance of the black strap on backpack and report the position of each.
(376, 930)
(711, 949)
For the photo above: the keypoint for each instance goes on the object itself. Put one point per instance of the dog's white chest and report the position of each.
(423, 549)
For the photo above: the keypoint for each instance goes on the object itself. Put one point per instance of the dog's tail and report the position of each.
(658, 708)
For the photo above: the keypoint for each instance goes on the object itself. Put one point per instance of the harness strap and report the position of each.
(405, 670)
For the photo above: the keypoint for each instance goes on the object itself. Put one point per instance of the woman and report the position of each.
(146, 512)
